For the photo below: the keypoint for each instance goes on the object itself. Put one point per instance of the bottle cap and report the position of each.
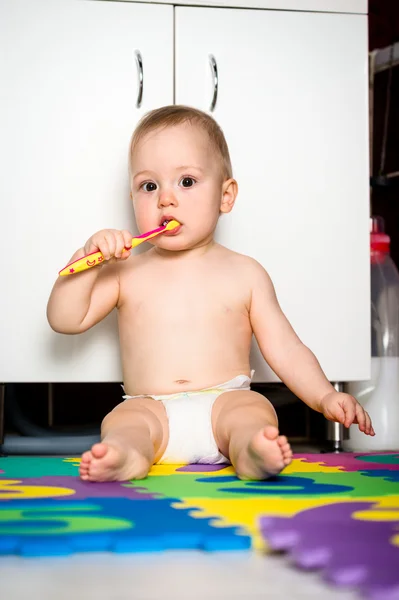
(379, 240)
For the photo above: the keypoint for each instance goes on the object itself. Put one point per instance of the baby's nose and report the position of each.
(167, 198)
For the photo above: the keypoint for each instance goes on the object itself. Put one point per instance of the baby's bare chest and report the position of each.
(198, 300)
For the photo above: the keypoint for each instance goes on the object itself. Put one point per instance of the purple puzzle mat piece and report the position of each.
(388, 590)
(350, 551)
(317, 547)
(372, 572)
(352, 462)
(83, 489)
(371, 566)
(283, 533)
(359, 563)
(197, 468)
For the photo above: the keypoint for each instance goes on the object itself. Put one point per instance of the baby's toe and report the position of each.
(86, 458)
(84, 472)
(99, 450)
(270, 432)
(287, 455)
(282, 440)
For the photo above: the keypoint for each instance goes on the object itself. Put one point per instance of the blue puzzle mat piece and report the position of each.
(54, 527)
(288, 484)
(382, 474)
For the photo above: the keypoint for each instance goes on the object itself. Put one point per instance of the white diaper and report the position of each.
(191, 437)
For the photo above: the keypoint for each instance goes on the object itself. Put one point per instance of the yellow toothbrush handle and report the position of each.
(86, 262)
(96, 258)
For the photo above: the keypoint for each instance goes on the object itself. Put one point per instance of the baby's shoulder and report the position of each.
(248, 273)
(242, 262)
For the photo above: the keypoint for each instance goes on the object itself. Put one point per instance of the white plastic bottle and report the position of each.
(380, 395)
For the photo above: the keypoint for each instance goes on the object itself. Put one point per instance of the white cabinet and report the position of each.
(292, 101)
(67, 109)
(331, 6)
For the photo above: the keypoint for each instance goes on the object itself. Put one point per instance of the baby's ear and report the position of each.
(229, 195)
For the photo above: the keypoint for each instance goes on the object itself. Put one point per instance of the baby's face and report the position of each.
(177, 174)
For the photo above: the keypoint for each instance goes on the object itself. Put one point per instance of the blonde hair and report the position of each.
(175, 114)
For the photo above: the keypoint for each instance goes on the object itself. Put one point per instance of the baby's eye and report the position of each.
(149, 186)
(187, 182)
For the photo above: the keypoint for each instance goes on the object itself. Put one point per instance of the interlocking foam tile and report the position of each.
(245, 512)
(385, 474)
(60, 514)
(200, 468)
(33, 528)
(354, 462)
(45, 508)
(33, 466)
(188, 485)
(66, 485)
(302, 485)
(350, 542)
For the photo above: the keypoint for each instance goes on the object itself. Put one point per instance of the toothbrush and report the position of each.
(95, 258)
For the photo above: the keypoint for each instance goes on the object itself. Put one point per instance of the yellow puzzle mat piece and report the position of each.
(14, 489)
(298, 465)
(246, 512)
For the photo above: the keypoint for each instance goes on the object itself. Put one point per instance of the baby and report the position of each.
(187, 310)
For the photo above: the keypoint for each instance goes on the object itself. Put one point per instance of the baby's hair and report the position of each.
(175, 114)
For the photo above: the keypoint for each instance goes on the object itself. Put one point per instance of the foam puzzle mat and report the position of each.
(338, 513)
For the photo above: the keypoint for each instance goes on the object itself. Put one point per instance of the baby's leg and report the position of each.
(245, 429)
(133, 436)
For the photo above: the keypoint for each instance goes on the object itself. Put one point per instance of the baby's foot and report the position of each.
(113, 462)
(266, 455)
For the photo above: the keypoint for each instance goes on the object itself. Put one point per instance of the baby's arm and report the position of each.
(292, 361)
(77, 302)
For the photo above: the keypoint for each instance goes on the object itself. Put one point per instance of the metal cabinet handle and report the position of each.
(140, 74)
(214, 71)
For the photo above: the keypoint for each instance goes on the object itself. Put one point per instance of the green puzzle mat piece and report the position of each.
(383, 459)
(296, 485)
(35, 466)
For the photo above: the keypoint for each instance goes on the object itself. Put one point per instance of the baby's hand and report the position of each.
(112, 243)
(345, 409)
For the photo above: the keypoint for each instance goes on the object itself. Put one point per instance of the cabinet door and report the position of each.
(292, 101)
(67, 110)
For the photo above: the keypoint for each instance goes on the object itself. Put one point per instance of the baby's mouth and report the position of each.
(168, 219)
(171, 226)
